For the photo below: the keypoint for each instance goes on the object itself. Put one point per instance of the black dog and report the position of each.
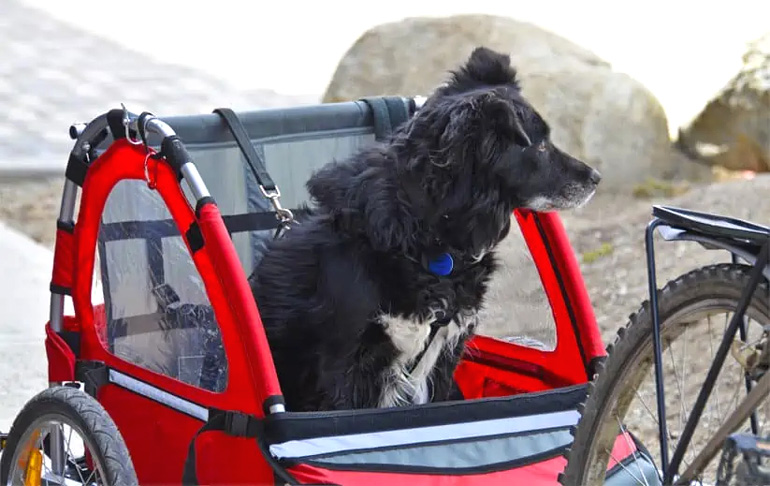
(370, 300)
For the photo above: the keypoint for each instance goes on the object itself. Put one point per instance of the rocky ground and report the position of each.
(607, 235)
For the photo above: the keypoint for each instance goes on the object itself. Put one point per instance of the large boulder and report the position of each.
(733, 130)
(604, 117)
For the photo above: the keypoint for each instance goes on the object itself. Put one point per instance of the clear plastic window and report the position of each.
(158, 315)
(517, 307)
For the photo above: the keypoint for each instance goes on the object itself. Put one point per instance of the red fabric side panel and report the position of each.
(624, 446)
(233, 278)
(61, 359)
(477, 380)
(100, 323)
(231, 461)
(157, 437)
(63, 259)
(70, 323)
(569, 269)
(544, 473)
(566, 359)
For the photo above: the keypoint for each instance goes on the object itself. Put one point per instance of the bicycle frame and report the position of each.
(759, 271)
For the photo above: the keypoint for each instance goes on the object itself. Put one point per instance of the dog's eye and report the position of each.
(541, 146)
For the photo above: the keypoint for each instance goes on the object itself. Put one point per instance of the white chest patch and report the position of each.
(407, 381)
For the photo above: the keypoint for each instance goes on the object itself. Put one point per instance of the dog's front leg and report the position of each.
(355, 379)
(443, 386)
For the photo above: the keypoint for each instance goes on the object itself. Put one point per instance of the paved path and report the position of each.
(24, 305)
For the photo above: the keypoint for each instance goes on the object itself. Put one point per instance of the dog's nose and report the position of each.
(595, 176)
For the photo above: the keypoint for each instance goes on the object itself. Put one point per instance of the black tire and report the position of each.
(78, 410)
(711, 283)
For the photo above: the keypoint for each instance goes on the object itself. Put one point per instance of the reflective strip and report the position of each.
(160, 396)
(390, 438)
(458, 455)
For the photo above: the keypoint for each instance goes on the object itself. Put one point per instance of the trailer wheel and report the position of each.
(91, 449)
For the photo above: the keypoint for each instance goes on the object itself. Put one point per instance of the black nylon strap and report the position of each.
(399, 110)
(93, 374)
(233, 423)
(115, 122)
(237, 223)
(166, 228)
(255, 162)
(59, 290)
(434, 328)
(389, 112)
(76, 169)
(140, 125)
(189, 474)
(194, 237)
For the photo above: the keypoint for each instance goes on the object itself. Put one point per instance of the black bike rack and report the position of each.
(741, 234)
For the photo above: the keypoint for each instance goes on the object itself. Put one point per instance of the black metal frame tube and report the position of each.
(744, 335)
(656, 338)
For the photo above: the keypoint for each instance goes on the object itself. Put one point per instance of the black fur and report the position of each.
(447, 181)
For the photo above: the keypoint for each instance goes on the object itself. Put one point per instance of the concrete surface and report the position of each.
(24, 277)
(24, 309)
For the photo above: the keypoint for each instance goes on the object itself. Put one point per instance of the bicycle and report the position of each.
(665, 325)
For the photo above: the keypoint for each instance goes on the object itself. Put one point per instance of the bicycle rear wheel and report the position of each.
(623, 394)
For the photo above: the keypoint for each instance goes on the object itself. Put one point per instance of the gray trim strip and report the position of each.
(391, 438)
(458, 455)
(158, 395)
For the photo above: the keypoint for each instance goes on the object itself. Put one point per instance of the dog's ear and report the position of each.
(489, 117)
(485, 66)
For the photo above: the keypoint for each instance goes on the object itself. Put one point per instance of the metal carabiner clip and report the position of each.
(152, 184)
(126, 122)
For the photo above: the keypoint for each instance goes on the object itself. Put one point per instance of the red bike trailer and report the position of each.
(177, 354)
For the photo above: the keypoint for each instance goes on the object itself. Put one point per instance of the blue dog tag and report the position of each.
(442, 265)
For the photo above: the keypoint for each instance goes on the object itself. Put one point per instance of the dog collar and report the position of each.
(442, 265)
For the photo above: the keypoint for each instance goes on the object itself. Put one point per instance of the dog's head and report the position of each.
(479, 127)
(453, 173)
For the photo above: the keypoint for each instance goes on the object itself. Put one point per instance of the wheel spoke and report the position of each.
(646, 407)
(682, 411)
(711, 347)
(630, 473)
(633, 448)
(88, 480)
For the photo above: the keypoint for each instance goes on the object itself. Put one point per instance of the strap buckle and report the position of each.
(240, 424)
(284, 215)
